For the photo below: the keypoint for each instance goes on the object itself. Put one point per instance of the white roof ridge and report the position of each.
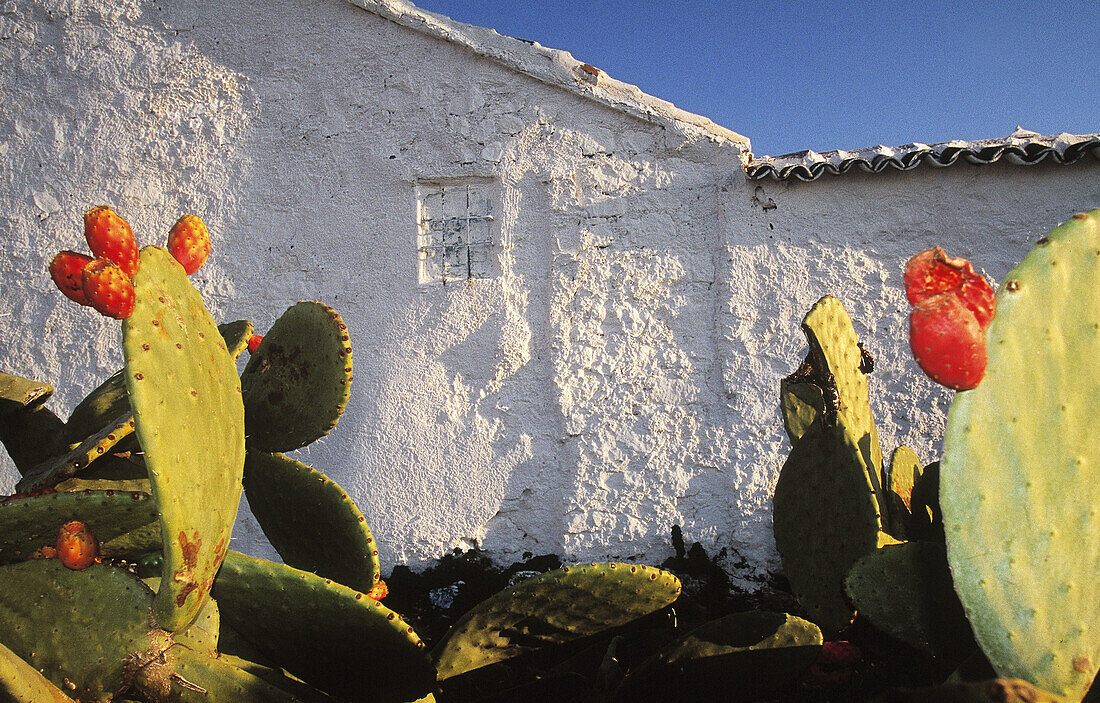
(552, 66)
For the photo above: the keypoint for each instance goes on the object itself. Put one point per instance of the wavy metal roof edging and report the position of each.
(554, 67)
(1022, 147)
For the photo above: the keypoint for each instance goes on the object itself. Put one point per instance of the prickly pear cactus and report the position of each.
(1020, 475)
(330, 636)
(47, 611)
(310, 520)
(29, 523)
(552, 608)
(905, 472)
(826, 513)
(298, 380)
(20, 683)
(57, 469)
(189, 419)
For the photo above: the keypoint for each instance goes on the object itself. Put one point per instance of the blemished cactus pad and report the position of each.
(1020, 474)
(46, 610)
(17, 393)
(20, 683)
(298, 380)
(189, 419)
(29, 523)
(552, 608)
(313, 524)
(330, 636)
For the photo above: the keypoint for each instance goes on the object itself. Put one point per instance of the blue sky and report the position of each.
(840, 75)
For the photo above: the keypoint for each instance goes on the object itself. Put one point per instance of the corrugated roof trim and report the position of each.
(551, 66)
(1022, 147)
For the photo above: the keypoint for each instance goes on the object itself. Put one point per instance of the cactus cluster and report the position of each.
(116, 577)
(997, 545)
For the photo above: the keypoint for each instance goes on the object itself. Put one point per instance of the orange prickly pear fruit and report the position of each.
(379, 591)
(110, 237)
(76, 546)
(66, 270)
(189, 242)
(253, 342)
(108, 289)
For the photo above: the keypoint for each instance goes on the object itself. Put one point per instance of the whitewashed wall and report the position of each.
(619, 376)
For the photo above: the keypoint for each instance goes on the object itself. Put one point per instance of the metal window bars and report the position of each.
(454, 232)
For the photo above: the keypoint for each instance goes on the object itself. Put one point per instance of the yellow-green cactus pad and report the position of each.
(1020, 475)
(189, 419)
(20, 683)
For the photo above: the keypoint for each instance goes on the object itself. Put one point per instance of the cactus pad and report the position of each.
(905, 590)
(20, 683)
(800, 403)
(46, 610)
(905, 472)
(53, 471)
(298, 380)
(29, 523)
(17, 393)
(1020, 481)
(31, 436)
(552, 608)
(236, 336)
(328, 635)
(310, 520)
(189, 419)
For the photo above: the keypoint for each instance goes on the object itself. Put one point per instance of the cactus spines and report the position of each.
(310, 520)
(189, 420)
(110, 237)
(1020, 474)
(298, 379)
(552, 608)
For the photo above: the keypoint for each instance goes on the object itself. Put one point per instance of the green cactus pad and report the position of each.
(17, 393)
(992, 691)
(310, 520)
(298, 380)
(328, 635)
(552, 608)
(20, 683)
(47, 612)
(53, 471)
(905, 590)
(277, 678)
(202, 636)
(905, 472)
(32, 436)
(182, 675)
(753, 653)
(236, 336)
(800, 404)
(825, 518)
(189, 419)
(1020, 481)
(926, 521)
(29, 523)
(110, 399)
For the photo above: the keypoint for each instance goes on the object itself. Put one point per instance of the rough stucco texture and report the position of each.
(617, 376)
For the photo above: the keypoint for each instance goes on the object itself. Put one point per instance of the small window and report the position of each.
(455, 229)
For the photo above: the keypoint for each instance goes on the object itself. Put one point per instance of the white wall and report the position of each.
(618, 377)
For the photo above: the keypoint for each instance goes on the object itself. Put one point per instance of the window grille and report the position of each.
(454, 232)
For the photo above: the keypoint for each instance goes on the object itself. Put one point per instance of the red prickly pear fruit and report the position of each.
(108, 289)
(189, 242)
(379, 590)
(834, 663)
(66, 270)
(110, 237)
(932, 272)
(254, 342)
(76, 546)
(948, 341)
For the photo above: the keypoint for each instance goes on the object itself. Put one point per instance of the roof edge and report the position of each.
(1022, 148)
(552, 66)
